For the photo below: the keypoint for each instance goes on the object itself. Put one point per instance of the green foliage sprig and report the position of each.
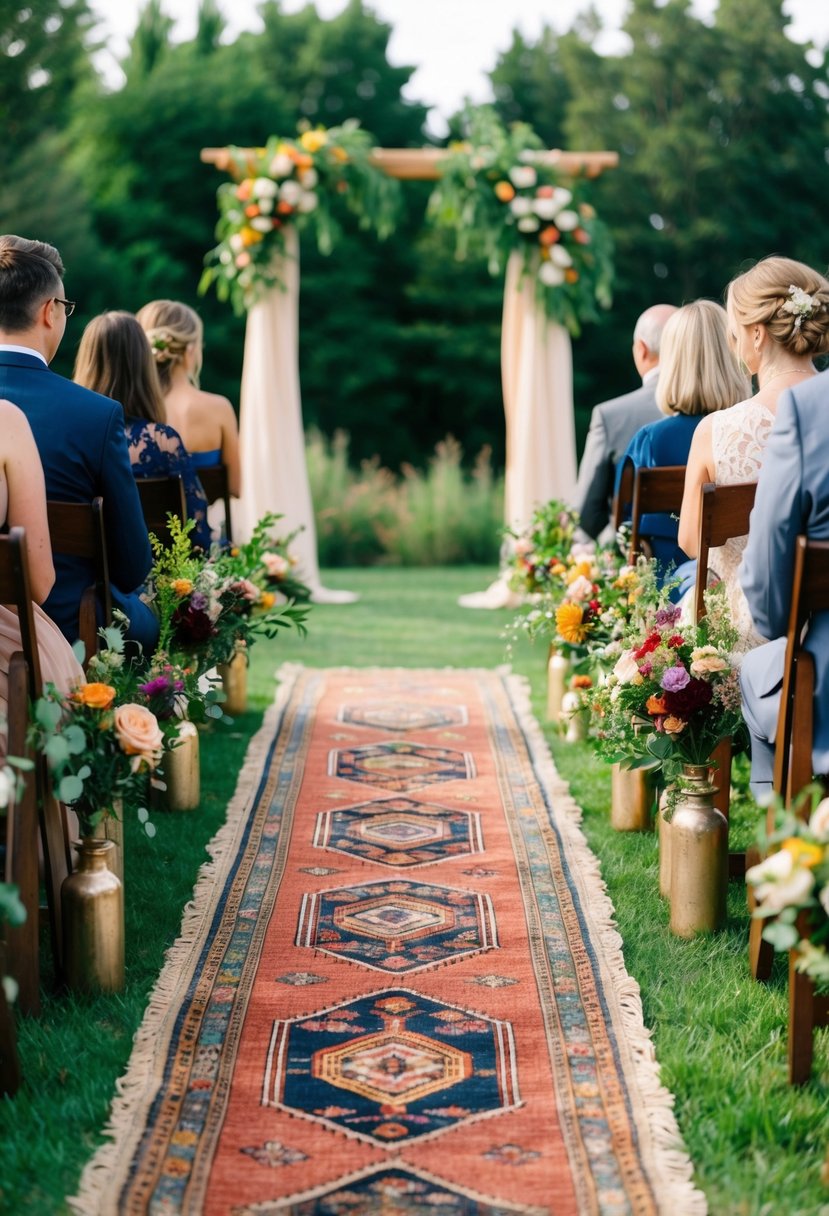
(499, 196)
(302, 182)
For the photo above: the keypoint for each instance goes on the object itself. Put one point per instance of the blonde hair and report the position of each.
(697, 372)
(170, 328)
(114, 359)
(765, 294)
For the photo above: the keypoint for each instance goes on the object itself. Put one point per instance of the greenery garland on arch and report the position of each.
(498, 195)
(303, 182)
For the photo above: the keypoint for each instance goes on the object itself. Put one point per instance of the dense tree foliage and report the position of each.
(721, 128)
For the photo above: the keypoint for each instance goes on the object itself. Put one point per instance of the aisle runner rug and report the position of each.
(398, 990)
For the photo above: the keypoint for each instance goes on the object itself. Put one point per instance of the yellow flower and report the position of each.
(312, 141)
(580, 570)
(558, 569)
(267, 600)
(339, 154)
(804, 854)
(96, 696)
(181, 586)
(250, 236)
(569, 622)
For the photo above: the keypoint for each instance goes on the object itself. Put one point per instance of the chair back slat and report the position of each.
(654, 490)
(76, 529)
(215, 485)
(724, 514)
(160, 497)
(15, 591)
(623, 499)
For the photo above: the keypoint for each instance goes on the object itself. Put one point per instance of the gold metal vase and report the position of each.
(699, 856)
(180, 767)
(234, 677)
(92, 903)
(664, 830)
(632, 792)
(111, 827)
(573, 716)
(558, 670)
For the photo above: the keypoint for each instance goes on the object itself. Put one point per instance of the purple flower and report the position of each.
(668, 616)
(154, 687)
(674, 679)
(199, 601)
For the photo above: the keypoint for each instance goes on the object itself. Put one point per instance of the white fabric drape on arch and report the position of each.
(271, 433)
(537, 383)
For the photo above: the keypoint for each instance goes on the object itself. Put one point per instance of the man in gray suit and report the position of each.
(614, 423)
(792, 498)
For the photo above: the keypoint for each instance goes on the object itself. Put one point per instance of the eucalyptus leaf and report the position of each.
(48, 713)
(70, 788)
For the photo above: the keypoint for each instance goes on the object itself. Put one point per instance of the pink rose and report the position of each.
(138, 735)
(275, 564)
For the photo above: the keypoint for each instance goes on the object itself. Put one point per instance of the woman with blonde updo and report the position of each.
(206, 422)
(778, 321)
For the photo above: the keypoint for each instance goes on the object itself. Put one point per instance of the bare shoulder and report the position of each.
(213, 401)
(12, 415)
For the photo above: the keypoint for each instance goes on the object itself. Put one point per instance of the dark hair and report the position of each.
(114, 358)
(30, 272)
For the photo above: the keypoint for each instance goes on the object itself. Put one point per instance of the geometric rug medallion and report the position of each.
(392, 1003)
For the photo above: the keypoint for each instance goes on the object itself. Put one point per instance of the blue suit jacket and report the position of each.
(83, 448)
(792, 497)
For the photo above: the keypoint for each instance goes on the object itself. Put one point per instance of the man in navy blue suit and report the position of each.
(79, 434)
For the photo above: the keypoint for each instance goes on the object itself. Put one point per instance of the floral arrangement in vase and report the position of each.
(207, 608)
(500, 193)
(793, 880)
(540, 552)
(292, 182)
(674, 692)
(266, 560)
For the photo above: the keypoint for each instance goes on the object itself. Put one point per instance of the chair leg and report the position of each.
(9, 1062)
(56, 861)
(722, 776)
(22, 950)
(760, 953)
(801, 1024)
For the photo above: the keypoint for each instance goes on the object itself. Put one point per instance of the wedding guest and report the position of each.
(697, 376)
(206, 422)
(79, 434)
(114, 358)
(23, 504)
(792, 498)
(778, 316)
(613, 424)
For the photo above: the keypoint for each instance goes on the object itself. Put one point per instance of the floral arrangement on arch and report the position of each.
(542, 547)
(500, 194)
(791, 884)
(266, 560)
(298, 182)
(674, 692)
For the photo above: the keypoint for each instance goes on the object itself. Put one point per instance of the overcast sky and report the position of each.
(452, 43)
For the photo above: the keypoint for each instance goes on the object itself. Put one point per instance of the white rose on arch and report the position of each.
(550, 274)
(567, 221)
(561, 197)
(528, 223)
(261, 223)
(560, 256)
(308, 179)
(521, 206)
(545, 208)
(281, 165)
(523, 176)
(308, 202)
(264, 187)
(290, 192)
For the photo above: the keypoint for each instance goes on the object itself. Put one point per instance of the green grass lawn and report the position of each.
(757, 1144)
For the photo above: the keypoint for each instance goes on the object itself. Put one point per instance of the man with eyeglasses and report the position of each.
(79, 434)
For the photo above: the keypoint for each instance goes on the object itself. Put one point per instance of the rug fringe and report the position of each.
(666, 1160)
(139, 1084)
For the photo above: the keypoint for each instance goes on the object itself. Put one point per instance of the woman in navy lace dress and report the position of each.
(114, 358)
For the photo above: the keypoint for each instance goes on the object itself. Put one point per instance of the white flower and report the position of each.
(308, 202)
(523, 177)
(561, 197)
(7, 784)
(819, 822)
(580, 589)
(560, 257)
(308, 179)
(236, 243)
(264, 187)
(581, 549)
(545, 208)
(567, 221)
(626, 668)
(261, 223)
(528, 223)
(550, 274)
(521, 206)
(265, 205)
(282, 165)
(824, 899)
(290, 192)
(780, 883)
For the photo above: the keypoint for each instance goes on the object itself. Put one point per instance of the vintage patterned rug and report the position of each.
(398, 990)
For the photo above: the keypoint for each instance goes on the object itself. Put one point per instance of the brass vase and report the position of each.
(558, 670)
(699, 856)
(631, 798)
(111, 827)
(180, 767)
(234, 677)
(573, 716)
(664, 829)
(92, 903)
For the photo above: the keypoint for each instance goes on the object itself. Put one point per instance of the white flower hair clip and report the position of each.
(800, 304)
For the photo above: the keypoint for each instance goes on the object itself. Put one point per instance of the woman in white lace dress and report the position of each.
(778, 316)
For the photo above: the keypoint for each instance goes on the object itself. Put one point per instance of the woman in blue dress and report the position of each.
(114, 358)
(697, 375)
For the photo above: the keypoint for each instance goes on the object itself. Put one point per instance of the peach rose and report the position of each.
(673, 726)
(275, 564)
(139, 734)
(96, 696)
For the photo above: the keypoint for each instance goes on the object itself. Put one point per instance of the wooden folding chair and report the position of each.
(77, 530)
(160, 497)
(724, 514)
(215, 485)
(654, 491)
(9, 1061)
(793, 770)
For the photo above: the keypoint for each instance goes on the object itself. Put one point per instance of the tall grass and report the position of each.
(369, 516)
